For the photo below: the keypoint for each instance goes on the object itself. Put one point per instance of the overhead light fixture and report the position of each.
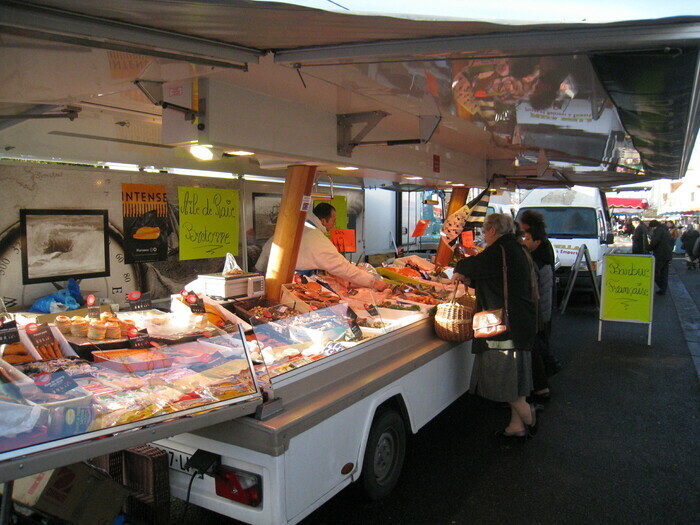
(239, 153)
(347, 168)
(413, 178)
(262, 178)
(202, 152)
(120, 166)
(202, 173)
(457, 184)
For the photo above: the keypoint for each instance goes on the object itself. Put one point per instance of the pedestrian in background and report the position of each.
(690, 235)
(640, 237)
(661, 245)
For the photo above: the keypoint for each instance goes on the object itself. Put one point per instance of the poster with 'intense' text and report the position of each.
(208, 222)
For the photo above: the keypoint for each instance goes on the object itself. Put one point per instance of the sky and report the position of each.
(516, 11)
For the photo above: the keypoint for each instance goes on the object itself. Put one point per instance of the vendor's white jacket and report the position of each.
(317, 252)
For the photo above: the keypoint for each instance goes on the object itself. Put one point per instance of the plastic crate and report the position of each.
(112, 464)
(146, 473)
(144, 508)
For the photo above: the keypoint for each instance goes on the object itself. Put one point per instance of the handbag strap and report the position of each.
(505, 286)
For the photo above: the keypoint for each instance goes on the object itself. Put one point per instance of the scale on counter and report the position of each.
(241, 286)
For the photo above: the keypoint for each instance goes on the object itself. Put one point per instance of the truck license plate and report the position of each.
(177, 460)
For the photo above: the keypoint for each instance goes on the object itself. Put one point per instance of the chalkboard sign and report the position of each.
(627, 290)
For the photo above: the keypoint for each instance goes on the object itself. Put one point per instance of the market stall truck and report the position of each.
(575, 217)
(346, 420)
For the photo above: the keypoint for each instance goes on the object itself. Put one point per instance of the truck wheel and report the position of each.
(384, 455)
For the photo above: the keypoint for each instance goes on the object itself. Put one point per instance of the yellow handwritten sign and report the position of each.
(208, 222)
(627, 288)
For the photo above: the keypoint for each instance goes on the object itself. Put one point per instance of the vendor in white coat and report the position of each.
(317, 252)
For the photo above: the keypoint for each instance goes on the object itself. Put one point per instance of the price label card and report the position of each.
(55, 383)
(372, 310)
(139, 301)
(356, 330)
(8, 332)
(195, 303)
(350, 314)
(40, 335)
(138, 338)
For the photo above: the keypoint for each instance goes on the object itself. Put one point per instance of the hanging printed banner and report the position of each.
(145, 210)
(340, 203)
(208, 222)
(343, 239)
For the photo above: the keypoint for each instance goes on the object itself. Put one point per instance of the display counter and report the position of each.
(54, 400)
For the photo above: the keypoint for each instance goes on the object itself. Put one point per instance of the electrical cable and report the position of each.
(187, 499)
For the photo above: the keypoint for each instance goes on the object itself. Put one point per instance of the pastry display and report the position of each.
(63, 323)
(79, 327)
(96, 330)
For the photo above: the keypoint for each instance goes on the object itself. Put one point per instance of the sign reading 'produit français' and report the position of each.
(627, 288)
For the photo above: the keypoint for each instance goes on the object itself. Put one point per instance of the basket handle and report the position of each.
(454, 294)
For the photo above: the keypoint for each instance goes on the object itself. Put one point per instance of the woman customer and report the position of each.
(533, 239)
(502, 368)
(543, 255)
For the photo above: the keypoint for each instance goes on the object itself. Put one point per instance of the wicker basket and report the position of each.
(453, 320)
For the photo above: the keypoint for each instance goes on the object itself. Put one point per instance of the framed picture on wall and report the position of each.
(59, 244)
(266, 207)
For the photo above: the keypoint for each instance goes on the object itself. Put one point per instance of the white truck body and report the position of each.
(315, 447)
(574, 217)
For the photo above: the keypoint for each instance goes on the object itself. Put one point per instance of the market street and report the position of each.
(616, 444)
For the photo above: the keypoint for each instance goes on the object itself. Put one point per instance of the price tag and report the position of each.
(40, 335)
(93, 309)
(55, 383)
(139, 301)
(138, 338)
(8, 332)
(372, 310)
(227, 326)
(195, 303)
(350, 314)
(356, 330)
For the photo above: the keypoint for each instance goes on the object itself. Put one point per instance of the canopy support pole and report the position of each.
(296, 200)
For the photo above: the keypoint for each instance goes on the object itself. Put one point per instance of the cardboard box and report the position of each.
(76, 493)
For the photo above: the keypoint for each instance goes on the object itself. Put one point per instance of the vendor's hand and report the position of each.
(379, 285)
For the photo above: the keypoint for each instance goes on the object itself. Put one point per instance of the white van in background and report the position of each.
(574, 217)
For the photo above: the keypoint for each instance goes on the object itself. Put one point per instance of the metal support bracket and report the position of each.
(69, 112)
(346, 142)
(153, 90)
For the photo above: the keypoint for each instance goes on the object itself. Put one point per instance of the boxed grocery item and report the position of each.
(41, 352)
(75, 493)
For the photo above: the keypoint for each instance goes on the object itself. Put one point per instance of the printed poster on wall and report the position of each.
(145, 211)
(208, 222)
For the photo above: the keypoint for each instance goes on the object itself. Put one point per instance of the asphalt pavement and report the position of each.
(617, 443)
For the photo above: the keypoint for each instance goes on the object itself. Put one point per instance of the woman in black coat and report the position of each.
(502, 368)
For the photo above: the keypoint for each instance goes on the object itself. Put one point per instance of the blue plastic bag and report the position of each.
(52, 303)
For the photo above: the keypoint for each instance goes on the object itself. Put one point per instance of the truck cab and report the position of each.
(574, 217)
